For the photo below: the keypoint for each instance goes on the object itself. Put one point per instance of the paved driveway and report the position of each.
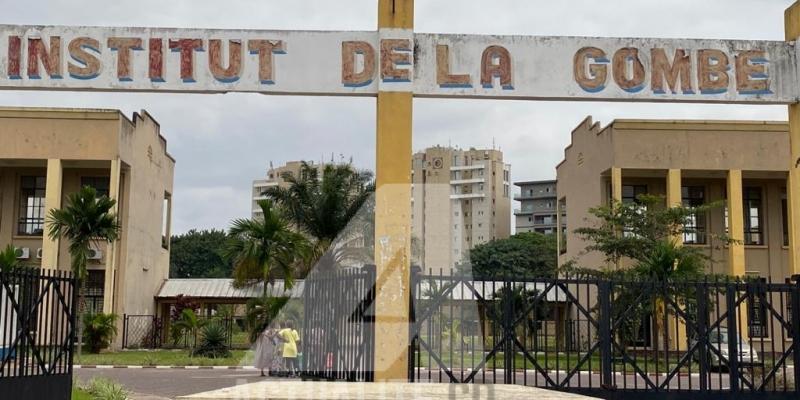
(152, 384)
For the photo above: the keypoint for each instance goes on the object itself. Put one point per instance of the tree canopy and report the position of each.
(199, 254)
(524, 254)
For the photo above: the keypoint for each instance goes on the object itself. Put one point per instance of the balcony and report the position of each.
(535, 196)
(467, 167)
(467, 196)
(523, 212)
(467, 181)
(264, 184)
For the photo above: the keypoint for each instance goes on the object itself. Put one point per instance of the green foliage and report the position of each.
(199, 254)
(213, 342)
(524, 254)
(99, 330)
(261, 312)
(9, 261)
(323, 208)
(186, 325)
(265, 248)
(636, 230)
(105, 389)
(84, 220)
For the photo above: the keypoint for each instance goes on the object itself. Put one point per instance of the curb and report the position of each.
(207, 367)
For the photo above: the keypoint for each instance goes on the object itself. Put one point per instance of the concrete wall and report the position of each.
(703, 150)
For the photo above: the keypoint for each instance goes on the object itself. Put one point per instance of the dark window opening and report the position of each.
(31, 205)
(753, 218)
(99, 183)
(695, 224)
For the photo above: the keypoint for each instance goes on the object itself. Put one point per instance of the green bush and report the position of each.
(214, 342)
(99, 330)
(104, 389)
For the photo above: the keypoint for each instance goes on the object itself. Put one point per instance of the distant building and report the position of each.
(275, 177)
(461, 198)
(46, 154)
(538, 209)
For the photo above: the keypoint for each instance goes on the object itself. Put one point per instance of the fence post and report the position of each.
(606, 355)
(796, 331)
(733, 336)
(416, 272)
(702, 333)
(369, 321)
(508, 331)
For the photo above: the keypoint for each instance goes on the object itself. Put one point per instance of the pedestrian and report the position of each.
(265, 349)
(291, 340)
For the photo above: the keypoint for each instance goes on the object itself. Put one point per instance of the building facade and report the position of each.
(538, 208)
(460, 198)
(741, 164)
(275, 177)
(47, 154)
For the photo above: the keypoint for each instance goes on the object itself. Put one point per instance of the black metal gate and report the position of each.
(607, 338)
(338, 334)
(37, 334)
(141, 332)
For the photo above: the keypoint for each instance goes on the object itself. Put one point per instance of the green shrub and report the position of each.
(105, 389)
(99, 330)
(214, 342)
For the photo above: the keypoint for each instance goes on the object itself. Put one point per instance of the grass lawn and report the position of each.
(78, 394)
(163, 357)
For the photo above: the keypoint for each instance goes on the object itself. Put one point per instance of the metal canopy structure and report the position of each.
(394, 65)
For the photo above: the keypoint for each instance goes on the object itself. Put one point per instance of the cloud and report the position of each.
(223, 142)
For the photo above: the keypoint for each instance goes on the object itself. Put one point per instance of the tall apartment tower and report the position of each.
(460, 199)
(275, 177)
(538, 210)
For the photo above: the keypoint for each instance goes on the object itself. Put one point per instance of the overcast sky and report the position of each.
(223, 142)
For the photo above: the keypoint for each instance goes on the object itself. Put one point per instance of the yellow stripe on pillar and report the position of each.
(736, 259)
(393, 212)
(792, 26)
(111, 266)
(674, 196)
(616, 184)
(52, 201)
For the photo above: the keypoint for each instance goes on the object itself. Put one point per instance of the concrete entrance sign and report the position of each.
(395, 65)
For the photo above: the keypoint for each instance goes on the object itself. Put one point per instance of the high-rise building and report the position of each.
(276, 177)
(461, 198)
(538, 204)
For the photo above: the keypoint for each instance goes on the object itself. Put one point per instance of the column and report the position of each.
(111, 263)
(674, 195)
(675, 199)
(736, 260)
(393, 207)
(792, 25)
(616, 184)
(52, 201)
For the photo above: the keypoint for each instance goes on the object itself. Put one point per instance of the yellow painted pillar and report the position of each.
(736, 259)
(393, 207)
(52, 201)
(111, 256)
(676, 326)
(792, 26)
(616, 184)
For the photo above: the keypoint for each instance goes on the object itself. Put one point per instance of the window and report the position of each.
(505, 190)
(785, 211)
(93, 291)
(166, 214)
(753, 227)
(98, 183)
(31, 205)
(695, 225)
(631, 193)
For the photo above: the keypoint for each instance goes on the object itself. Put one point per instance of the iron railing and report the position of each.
(607, 338)
(338, 334)
(37, 333)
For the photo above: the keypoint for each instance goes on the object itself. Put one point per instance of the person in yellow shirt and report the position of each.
(291, 340)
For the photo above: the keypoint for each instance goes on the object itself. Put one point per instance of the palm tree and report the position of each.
(324, 207)
(85, 220)
(9, 261)
(263, 248)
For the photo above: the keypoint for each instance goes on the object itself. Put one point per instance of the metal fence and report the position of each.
(37, 334)
(154, 332)
(606, 338)
(338, 328)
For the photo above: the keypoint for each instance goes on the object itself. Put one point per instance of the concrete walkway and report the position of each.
(283, 390)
